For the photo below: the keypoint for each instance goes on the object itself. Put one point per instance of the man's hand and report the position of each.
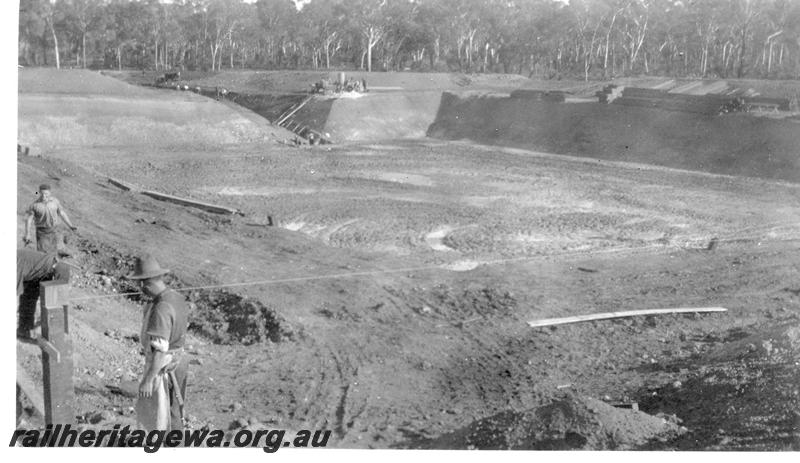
(147, 386)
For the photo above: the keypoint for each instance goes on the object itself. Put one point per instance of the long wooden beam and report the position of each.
(120, 184)
(291, 113)
(609, 315)
(192, 203)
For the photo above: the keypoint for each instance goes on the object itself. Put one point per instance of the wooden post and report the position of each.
(56, 344)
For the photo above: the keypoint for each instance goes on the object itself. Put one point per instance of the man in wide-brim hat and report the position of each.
(162, 389)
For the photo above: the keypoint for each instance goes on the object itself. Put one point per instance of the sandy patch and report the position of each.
(434, 239)
(461, 265)
(400, 177)
(260, 191)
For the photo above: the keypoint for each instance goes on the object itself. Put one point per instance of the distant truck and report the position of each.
(342, 85)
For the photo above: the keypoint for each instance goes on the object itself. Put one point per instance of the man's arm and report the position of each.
(28, 225)
(147, 384)
(63, 214)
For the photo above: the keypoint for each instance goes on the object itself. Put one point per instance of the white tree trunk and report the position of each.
(608, 40)
(214, 49)
(55, 41)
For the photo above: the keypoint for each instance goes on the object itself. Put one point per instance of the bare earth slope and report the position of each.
(59, 109)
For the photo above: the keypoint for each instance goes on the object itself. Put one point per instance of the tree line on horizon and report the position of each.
(544, 38)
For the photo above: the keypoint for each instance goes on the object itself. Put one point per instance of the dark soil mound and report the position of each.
(227, 318)
(571, 422)
(745, 395)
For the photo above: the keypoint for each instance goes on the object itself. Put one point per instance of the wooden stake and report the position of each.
(56, 343)
(608, 315)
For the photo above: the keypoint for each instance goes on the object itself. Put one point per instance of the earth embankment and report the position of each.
(59, 109)
(735, 144)
(376, 116)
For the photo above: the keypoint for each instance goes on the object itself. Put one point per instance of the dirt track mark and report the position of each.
(343, 413)
(340, 413)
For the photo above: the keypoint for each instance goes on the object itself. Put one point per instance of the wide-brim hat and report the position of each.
(146, 267)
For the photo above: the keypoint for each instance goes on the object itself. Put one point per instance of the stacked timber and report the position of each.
(553, 96)
(767, 104)
(709, 104)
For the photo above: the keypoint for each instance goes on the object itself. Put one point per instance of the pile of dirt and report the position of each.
(227, 318)
(731, 144)
(571, 422)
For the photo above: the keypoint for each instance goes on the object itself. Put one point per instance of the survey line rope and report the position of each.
(295, 279)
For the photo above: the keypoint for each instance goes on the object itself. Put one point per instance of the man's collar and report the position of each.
(166, 289)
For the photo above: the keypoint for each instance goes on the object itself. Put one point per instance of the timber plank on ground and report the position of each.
(120, 184)
(191, 203)
(630, 313)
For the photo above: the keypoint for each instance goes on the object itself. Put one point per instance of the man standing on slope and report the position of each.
(45, 213)
(162, 388)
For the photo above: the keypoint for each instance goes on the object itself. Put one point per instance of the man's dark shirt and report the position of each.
(169, 318)
(33, 266)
